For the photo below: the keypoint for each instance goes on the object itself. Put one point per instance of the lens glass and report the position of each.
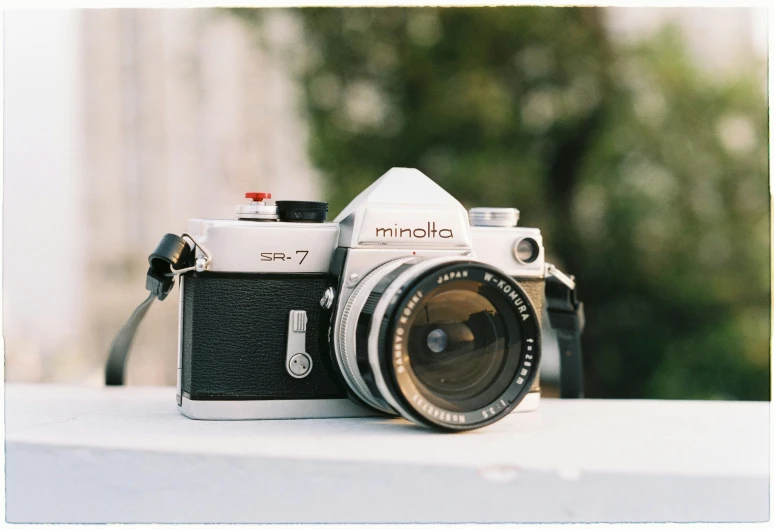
(460, 344)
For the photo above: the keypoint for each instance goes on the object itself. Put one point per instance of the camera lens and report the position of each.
(456, 344)
(437, 340)
(445, 342)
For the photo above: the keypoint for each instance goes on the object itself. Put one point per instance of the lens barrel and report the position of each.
(446, 342)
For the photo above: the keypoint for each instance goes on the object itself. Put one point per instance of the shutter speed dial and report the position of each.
(302, 211)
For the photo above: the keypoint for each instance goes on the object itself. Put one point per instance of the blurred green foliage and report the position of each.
(647, 175)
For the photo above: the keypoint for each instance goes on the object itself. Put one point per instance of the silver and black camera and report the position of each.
(406, 304)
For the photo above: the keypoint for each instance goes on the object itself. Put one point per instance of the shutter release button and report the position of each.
(258, 209)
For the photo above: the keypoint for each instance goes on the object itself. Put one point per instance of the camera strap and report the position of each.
(172, 256)
(565, 313)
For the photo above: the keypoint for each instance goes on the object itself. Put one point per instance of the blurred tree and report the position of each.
(647, 176)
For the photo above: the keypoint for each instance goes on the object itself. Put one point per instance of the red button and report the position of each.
(258, 196)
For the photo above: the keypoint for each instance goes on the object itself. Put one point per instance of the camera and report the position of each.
(406, 304)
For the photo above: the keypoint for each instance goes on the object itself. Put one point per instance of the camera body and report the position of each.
(284, 322)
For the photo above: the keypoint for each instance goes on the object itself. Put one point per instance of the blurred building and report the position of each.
(122, 124)
(186, 111)
(179, 113)
(722, 40)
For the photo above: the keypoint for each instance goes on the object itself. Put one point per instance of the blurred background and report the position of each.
(635, 138)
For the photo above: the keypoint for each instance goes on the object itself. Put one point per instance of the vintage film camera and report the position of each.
(406, 304)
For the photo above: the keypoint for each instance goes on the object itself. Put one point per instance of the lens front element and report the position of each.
(458, 345)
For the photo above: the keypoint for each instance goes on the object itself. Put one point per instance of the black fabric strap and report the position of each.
(565, 313)
(171, 252)
(119, 349)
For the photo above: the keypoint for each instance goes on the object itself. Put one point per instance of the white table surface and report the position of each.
(78, 454)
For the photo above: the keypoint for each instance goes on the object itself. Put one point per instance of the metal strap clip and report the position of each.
(201, 264)
(568, 281)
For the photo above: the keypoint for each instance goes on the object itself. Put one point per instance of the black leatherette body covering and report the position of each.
(234, 336)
